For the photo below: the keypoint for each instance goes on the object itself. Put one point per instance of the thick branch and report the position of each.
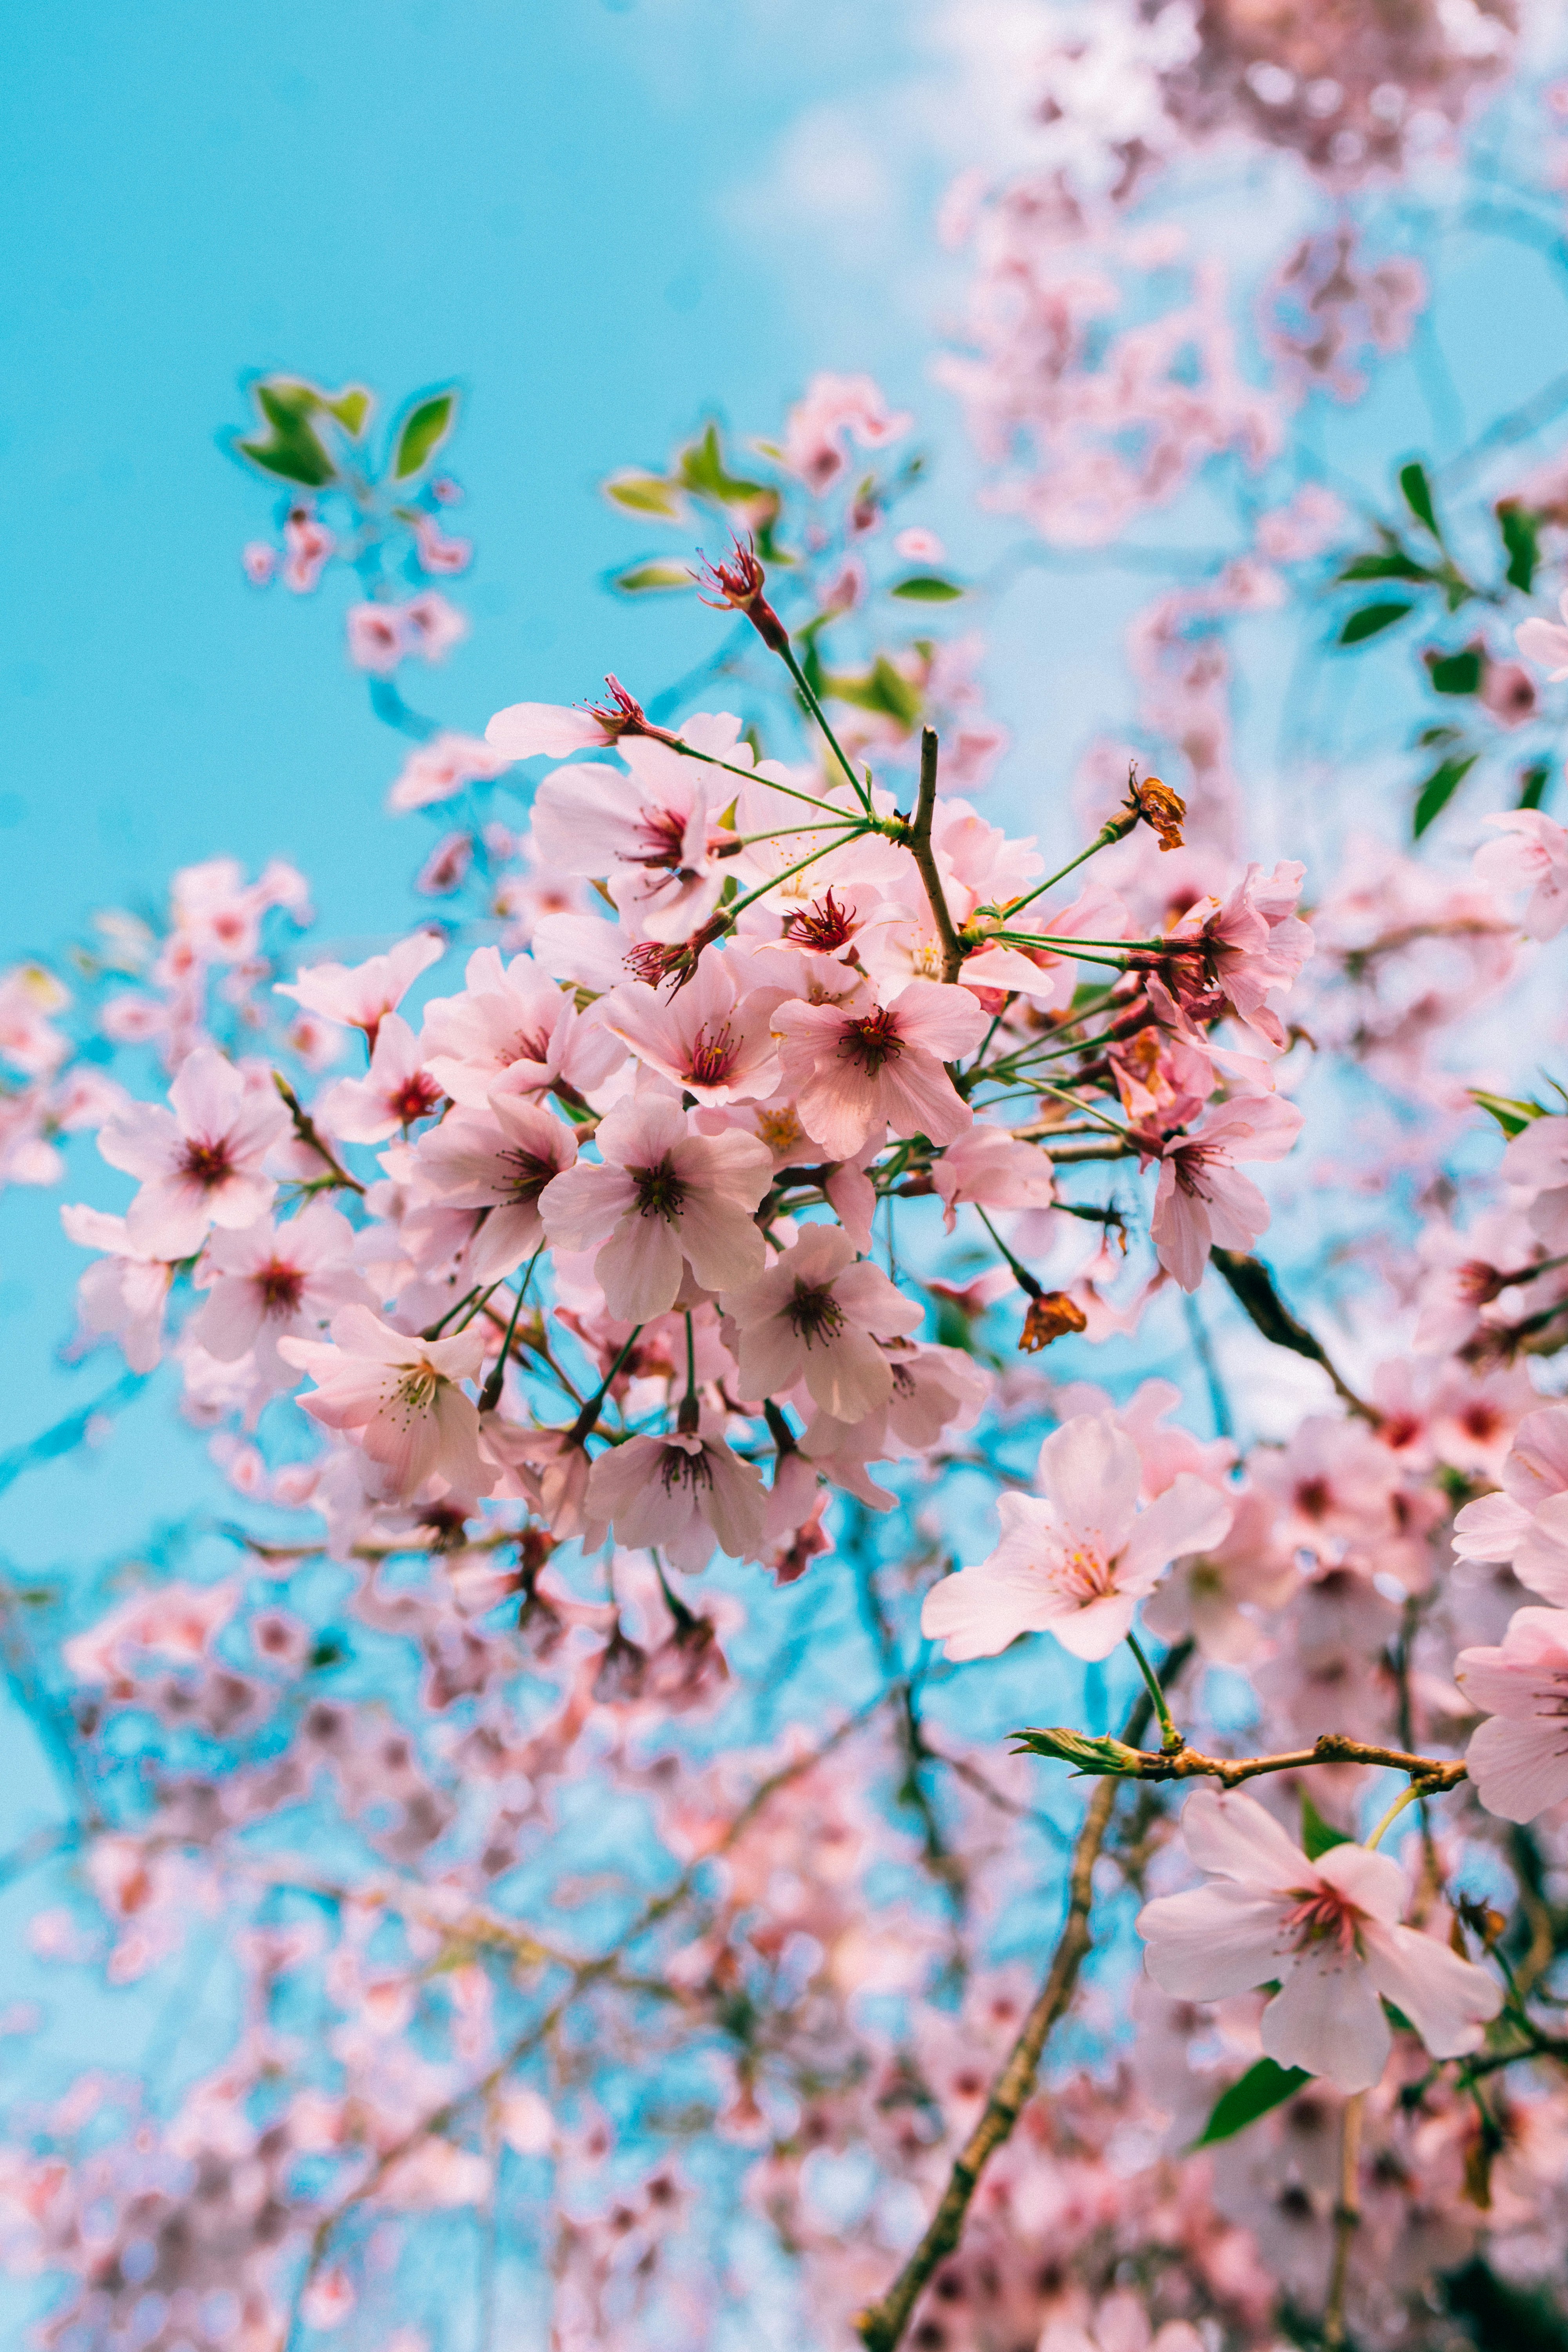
(881, 2325)
(918, 841)
(1116, 1758)
(1253, 1286)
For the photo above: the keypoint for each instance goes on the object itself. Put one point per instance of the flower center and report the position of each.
(1322, 1914)
(712, 1059)
(524, 1048)
(871, 1042)
(823, 925)
(415, 1098)
(683, 1469)
(781, 1130)
(207, 1164)
(815, 1314)
(1082, 1576)
(664, 834)
(660, 1193)
(529, 1175)
(281, 1286)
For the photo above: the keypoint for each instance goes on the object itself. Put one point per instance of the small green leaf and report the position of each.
(291, 450)
(352, 407)
(1371, 619)
(640, 493)
(1457, 673)
(1394, 565)
(1512, 1115)
(425, 428)
(1101, 1756)
(1519, 530)
(705, 473)
(1533, 783)
(926, 588)
(1438, 790)
(1317, 1835)
(1418, 492)
(881, 688)
(643, 577)
(1262, 2087)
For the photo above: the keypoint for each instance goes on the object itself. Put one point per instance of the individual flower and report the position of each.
(662, 1198)
(1518, 1758)
(1532, 856)
(377, 637)
(853, 1072)
(682, 1493)
(1250, 944)
(123, 1294)
(201, 1162)
(994, 1169)
(270, 1282)
(833, 410)
(397, 1091)
(712, 1038)
(650, 833)
(497, 1160)
(1527, 1524)
(306, 545)
(434, 771)
(512, 1029)
(1327, 1931)
(1545, 643)
(361, 995)
(1076, 1559)
(816, 1316)
(1201, 1197)
(399, 1397)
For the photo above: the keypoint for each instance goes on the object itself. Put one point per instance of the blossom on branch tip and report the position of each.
(397, 1091)
(1327, 1931)
(815, 1316)
(1075, 1560)
(738, 582)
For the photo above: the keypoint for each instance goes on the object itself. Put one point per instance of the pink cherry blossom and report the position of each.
(663, 1197)
(1518, 1758)
(647, 833)
(437, 551)
(201, 1162)
(1077, 1560)
(993, 1169)
(497, 1160)
(361, 995)
(270, 1282)
(1202, 1198)
(399, 1091)
(514, 1029)
(712, 1038)
(815, 1316)
(1327, 1930)
(1527, 1524)
(399, 1397)
(684, 1494)
(378, 639)
(852, 1072)
(306, 547)
(1532, 856)
(438, 769)
(835, 410)
(1545, 643)
(124, 1293)
(432, 625)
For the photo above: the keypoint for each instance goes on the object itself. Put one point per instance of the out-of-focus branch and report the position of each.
(881, 2325)
(1252, 1284)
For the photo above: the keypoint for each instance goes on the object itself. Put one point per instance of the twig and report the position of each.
(1252, 1286)
(918, 842)
(1429, 1775)
(305, 1128)
(881, 2325)
(1347, 2220)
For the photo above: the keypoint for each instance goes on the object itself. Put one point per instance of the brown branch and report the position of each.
(1118, 1760)
(1347, 2220)
(881, 2325)
(1252, 1284)
(917, 840)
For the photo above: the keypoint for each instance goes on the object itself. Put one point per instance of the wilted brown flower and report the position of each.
(1051, 1314)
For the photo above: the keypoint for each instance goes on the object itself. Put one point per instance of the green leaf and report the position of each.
(881, 688)
(1457, 673)
(1438, 790)
(1418, 492)
(1512, 1115)
(652, 494)
(1317, 1835)
(1394, 565)
(706, 475)
(1085, 1754)
(1262, 2087)
(425, 428)
(926, 588)
(291, 450)
(352, 407)
(643, 577)
(1519, 530)
(1371, 619)
(1533, 783)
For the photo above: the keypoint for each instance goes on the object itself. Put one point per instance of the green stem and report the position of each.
(808, 693)
(1406, 1797)
(490, 1395)
(590, 1412)
(1170, 1739)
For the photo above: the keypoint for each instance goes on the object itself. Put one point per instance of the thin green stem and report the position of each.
(585, 1420)
(1170, 1739)
(1406, 1797)
(808, 694)
(490, 1395)
(750, 776)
